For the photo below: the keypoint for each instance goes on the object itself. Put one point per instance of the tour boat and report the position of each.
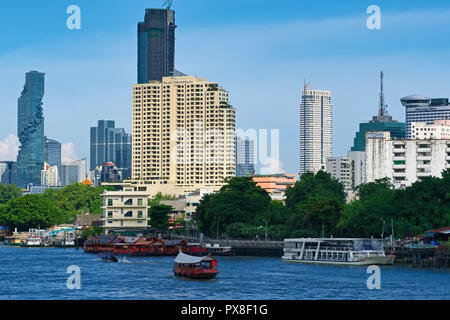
(110, 257)
(338, 251)
(195, 267)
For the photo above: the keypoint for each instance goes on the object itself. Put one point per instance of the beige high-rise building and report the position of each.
(183, 133)
(315, 129)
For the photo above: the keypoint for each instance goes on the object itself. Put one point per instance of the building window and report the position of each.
(129, 202)
(139, 202)
(139, 214)
(129, 214)
(110, 202)
(110, 214)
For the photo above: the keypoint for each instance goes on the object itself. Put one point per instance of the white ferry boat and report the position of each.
(342, 251)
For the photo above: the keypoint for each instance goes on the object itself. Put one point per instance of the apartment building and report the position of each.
(183, 133)
(405, 161)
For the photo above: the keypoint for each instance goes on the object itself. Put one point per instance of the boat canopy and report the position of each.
(184, 258)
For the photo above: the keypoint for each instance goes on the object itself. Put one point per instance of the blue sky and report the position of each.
(260, 51)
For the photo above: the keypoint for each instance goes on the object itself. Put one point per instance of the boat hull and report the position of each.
(198, 276)
(369, 261)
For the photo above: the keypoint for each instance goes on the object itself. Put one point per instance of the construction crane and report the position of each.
(167, 3)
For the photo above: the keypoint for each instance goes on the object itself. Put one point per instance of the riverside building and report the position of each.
(183, 133)
(315, 129)
(405, 161)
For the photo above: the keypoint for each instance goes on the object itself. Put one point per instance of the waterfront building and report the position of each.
(245, 157)
(8, 172)
(440, 129)
(73, 172)
(381, 122)
(49, 176)
(125, 208)
(315, 129)
(423, 109)
(275, 184)
(404, 161)
(156, 45)
(183, 133)
(30, 130)
(110, 144)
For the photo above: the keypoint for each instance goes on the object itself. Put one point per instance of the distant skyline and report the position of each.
(260, 51)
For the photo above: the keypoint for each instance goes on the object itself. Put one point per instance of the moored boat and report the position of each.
(195, 267)
(337, 251)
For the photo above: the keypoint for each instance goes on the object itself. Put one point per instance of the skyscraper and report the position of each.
(73, 172)
(30, 130)
(53, 155)
(381, 122)
(8, 172)
(183, 132)
(110, 144)
(423, 109)
(315, 129)
(245, 157)
(156, 45)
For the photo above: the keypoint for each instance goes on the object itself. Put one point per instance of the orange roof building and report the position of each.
(274, 182)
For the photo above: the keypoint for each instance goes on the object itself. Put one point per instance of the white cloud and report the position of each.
(9, 148)
(68, 153)
(274, 166)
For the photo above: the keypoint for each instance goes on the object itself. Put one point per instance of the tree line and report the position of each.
(316, 206)
(54, 206)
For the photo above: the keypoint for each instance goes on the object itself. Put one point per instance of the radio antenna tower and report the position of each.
(168, 4)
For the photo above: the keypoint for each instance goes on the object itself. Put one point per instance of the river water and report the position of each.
(40, 273)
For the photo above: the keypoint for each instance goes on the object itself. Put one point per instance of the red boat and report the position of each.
(195, 267)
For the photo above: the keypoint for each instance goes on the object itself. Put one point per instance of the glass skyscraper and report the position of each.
(111, 144)
(245, 157)
(30, 129)
(53, 154)
(156, 45)
(8, 172)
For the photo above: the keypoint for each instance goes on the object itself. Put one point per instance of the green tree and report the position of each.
(159, 216)
(92, 231)
(8, 193)
(240, 200)
(31, 211)
(314, 205)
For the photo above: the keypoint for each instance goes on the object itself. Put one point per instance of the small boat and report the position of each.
(195, 267)
(110, 257)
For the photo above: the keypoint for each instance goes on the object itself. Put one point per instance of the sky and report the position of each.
(260, 51)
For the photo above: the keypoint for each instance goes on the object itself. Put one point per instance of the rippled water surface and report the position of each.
(40, 273)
